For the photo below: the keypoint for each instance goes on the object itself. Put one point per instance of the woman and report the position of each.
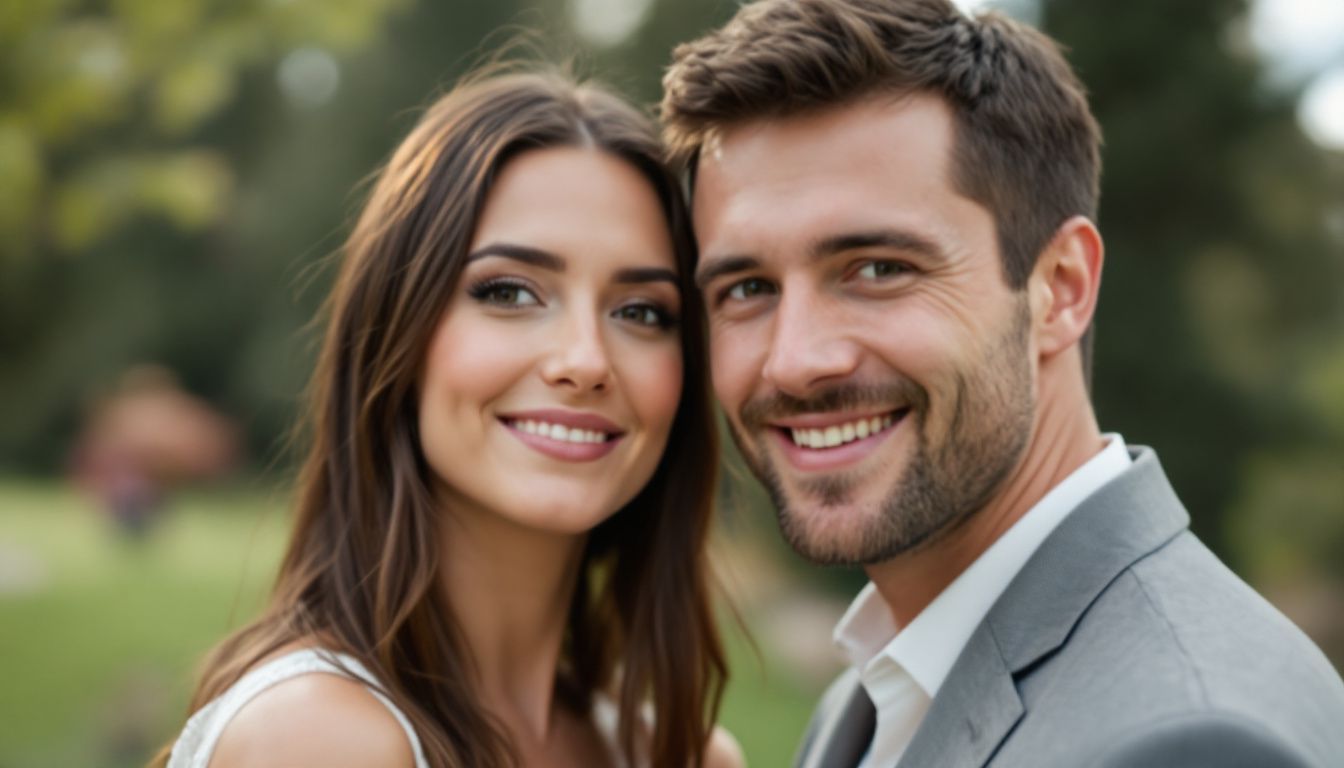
(498, 556)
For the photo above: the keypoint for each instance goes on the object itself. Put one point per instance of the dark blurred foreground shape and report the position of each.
(145, 439)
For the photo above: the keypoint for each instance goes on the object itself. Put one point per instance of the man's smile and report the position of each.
(828, 441)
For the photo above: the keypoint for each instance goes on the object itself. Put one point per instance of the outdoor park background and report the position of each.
(173, 176)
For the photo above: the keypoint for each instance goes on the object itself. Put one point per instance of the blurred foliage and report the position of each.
(1221, 325)
(102, 106)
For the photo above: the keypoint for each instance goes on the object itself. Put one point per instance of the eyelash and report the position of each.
(663, 319)
(487, 291)
(764, 287)
(726, 293)
(896, 267)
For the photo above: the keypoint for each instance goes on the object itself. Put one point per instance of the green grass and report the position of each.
(100, 636)
(98, 654)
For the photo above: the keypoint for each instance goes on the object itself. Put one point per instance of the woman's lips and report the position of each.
(564, 435)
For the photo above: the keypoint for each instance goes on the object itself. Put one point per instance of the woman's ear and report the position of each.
(1064, 284)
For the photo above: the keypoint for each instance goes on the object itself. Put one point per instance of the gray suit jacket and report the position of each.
(1122, 642)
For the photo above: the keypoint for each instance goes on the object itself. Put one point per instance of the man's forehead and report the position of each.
(875, 147)
(877, 128)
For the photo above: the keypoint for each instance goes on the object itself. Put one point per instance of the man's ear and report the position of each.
(1064, 285)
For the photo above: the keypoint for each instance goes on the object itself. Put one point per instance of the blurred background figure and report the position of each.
(143, 439)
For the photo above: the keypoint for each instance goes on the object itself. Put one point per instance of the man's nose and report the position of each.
(809, 347)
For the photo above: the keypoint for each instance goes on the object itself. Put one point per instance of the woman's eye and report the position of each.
(644, 314)
(749, 288)
(877, 270)
(504, 293)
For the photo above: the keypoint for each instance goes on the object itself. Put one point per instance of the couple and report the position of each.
(498, 556)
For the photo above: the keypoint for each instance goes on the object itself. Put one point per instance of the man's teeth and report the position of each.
(839, 434)
(561, 432)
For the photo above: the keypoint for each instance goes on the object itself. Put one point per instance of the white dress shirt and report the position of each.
(902, 668)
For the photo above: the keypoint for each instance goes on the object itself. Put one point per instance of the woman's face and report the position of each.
(552, 379)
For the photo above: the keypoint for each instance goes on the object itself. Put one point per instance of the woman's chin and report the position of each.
(569, 511)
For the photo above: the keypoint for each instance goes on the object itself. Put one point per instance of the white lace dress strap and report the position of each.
(197, 741)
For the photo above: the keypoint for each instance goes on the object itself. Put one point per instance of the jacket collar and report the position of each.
(978, 705)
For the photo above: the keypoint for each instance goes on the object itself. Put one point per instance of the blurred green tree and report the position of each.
(1223, 288)
(118, 180)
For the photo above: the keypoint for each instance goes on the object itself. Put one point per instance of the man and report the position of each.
(895, 205)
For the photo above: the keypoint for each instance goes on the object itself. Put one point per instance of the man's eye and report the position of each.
(877, 270)
(749, 288)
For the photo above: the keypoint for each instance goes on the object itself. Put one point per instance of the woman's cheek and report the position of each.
(656, 389)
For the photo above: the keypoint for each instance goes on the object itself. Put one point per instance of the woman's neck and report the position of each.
(510, 587)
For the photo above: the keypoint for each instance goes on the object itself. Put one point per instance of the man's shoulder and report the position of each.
(1177, 643)
(1182, 603)
(1209, 739)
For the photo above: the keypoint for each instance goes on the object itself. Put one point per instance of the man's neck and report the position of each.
(1064, 438)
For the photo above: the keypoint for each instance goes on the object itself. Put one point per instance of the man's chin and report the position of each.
(831, 533)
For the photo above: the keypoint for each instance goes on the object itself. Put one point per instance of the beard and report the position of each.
(947, 478)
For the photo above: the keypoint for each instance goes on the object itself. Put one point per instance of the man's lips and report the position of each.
(823, 442)
(829, 430)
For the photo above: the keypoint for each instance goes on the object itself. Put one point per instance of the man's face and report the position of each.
(876, 370)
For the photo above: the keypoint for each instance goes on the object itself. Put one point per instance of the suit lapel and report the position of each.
(978, 704)
(844, 736)
(1122, 522)
(974, 710)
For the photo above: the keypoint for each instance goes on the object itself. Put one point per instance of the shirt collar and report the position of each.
(929, 645)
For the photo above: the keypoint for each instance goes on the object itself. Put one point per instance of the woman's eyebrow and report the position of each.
(646, 275)
(534, 256)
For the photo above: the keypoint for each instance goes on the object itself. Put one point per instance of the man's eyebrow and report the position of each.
(534, 256)
(723, 265)
(646, 275)
(895, 239)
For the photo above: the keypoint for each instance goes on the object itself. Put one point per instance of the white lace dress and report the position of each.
(196, 744)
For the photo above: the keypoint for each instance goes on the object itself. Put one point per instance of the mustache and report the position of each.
(898, 392)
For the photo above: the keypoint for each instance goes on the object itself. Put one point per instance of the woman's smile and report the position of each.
(564, 435)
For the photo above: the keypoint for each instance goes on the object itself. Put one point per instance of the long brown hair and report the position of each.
(361, 565)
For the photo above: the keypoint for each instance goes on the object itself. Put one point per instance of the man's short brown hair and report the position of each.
(1026, 145)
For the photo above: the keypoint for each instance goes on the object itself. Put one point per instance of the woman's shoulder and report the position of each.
(314, 719)
(723, 750)
(307, 711)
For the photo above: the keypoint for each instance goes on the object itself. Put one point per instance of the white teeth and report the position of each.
(840, 434)
(832, 436)
(560, 432)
